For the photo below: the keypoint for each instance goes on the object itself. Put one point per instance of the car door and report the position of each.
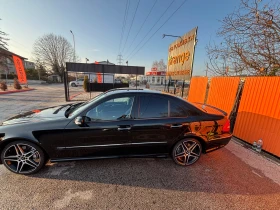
(80, 82)
(106, 130)
(157, 124)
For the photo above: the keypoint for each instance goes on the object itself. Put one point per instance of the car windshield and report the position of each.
(72, 111)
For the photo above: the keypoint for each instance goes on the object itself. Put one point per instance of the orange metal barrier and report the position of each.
(222, 92)
(197, 89)
(259, 113)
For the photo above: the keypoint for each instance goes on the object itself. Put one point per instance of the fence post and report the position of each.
(168, 85)
(183, 87)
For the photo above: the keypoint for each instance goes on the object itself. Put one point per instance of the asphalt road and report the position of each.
(230, 178)
(43, 96)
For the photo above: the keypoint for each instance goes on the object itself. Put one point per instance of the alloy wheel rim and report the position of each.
(22, 158)
(187, 152)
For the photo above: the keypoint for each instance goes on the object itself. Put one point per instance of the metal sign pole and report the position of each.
(89, 86)
(136, 77)
(195, 41)
(136, 81)
(65, 85)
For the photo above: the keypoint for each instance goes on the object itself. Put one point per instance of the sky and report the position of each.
(97, 27)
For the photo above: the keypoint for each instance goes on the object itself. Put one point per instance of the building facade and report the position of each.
(6, 62)
(29, 65)
(154, 77)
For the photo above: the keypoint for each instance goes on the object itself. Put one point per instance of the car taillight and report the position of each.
(226, 127)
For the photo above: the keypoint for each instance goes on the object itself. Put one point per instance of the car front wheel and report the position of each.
(73, 85)
(186, 152)
(23, 157)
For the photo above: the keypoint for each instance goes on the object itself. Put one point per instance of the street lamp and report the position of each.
(74, 49)
(74, 46)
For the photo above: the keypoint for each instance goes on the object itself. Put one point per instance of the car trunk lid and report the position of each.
(210, 109)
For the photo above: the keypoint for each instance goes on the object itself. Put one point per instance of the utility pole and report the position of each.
(119, 59)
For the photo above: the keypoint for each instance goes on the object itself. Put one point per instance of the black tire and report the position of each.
(73, 85)
(23, 157)
(186, 152)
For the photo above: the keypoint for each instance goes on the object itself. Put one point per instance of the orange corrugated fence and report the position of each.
(222, 92)
(259, 113)
(197, 89)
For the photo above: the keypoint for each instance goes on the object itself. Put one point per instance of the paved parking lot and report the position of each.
(230, 178)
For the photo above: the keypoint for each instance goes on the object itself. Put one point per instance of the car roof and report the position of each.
(147, 91)
(131, 90)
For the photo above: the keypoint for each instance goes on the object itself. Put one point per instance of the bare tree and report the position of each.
(53, 52)
(3, 40)
(160, 65)
(155, 64)
(3, 48)
(251, 41)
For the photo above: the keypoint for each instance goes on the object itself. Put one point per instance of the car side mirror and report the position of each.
(80, 121)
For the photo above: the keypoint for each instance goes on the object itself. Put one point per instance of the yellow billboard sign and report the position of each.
(180, 56)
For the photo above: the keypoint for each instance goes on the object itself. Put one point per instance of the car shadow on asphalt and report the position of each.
(216, 172)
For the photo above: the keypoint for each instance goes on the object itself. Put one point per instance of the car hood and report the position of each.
(37, 115)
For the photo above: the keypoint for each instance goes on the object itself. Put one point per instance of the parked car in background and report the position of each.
(118, 81)
(76, 83)
(117, 123)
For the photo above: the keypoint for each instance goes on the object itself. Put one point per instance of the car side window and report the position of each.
(151, 106)
(176, 110)
(179, 109)
(113, 109)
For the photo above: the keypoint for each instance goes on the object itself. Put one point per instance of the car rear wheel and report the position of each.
(73, 85)
(186, 152)
(23, 157)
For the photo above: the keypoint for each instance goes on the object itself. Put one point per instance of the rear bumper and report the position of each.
(217, 143)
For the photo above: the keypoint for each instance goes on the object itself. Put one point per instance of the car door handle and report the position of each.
(176, 126)
(124, 129)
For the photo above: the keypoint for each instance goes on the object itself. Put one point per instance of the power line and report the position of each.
(19, 47)
(124, 22)
(152, 27)
(131, 24)
(157, 30)
(142, 25)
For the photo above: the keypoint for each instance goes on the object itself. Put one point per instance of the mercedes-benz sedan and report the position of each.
(117, 123)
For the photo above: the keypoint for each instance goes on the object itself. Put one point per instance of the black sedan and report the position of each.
(117, 123)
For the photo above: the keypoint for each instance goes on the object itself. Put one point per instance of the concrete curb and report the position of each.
(16, 91)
